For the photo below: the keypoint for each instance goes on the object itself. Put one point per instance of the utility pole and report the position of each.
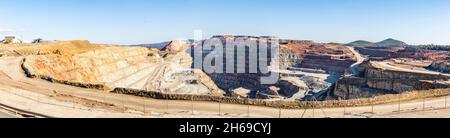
(423, 103)
(123, 100)
(343, 115)
(445, 102)
(220, 114)
(248, 111)
(143, 99)
(399, 102)
(371, 103)
(192, 104)
(167, 103)
(279, 111)
(313, 109)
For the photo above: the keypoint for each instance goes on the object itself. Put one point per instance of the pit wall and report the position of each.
(76, 84)
(233, 81)
(354, 87)
(230, 81)
(376, 82)
(374, 52)
(372, 72)
(93, 67)
(441, 66)
(383, 99)
(325, 62)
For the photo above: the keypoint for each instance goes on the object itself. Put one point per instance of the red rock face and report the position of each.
(328, 57)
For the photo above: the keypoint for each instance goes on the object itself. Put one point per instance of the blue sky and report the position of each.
(147, 21)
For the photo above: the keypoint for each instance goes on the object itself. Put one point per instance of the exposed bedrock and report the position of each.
(292, 88)
(441, 66)
(374, 72)
(375, 52)
(124, 67)
(242, 83)
(288, 58)
(326, 62)
(377, 81)
(315, 65)
(305, 54)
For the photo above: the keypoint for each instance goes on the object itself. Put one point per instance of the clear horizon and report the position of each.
(153, 21)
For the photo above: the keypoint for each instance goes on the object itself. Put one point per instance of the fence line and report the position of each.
(366, 111)
(403, 107)
(289, 104)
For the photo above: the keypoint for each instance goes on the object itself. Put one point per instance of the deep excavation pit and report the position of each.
(122, 67)
(302, 74)
(308, 71)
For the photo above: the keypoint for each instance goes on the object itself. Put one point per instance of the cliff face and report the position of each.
(314, 60)
(441, 66)
(328, 57)
(353, 87)
(123, 67)
(292, 87)
(288, 58)
(375, 73)
(91, 67)
(376, 81)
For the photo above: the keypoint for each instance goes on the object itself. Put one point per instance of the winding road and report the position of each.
(359, 60)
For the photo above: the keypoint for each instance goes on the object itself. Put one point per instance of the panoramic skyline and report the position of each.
(151, 21)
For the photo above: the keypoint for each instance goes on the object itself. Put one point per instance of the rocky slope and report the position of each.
(385, 43)
(122, 67)
(327, 57)
(306, 67)
(441, 66)
(378, 81)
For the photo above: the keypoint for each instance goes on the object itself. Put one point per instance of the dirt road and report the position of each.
(359, 59)
(6, 115)
(66, 101)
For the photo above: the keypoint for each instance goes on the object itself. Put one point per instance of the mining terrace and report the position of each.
(81, 74)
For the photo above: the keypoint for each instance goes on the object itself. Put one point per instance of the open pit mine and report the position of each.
(81, 79)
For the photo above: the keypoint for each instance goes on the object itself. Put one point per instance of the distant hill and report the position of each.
(361, 43)
(385, 43)
(391, 43)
